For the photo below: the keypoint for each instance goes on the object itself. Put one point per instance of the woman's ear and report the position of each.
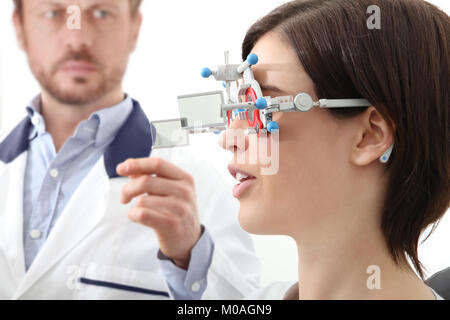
(18, 26)
(374, 138)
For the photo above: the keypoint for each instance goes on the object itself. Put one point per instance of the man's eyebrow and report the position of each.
(103, 4)
(61, 3)
(58, 3)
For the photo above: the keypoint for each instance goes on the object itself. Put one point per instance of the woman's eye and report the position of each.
(100, 14)
(52, 14)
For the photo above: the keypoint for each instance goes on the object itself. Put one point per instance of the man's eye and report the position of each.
(100, 14)
(52, 14)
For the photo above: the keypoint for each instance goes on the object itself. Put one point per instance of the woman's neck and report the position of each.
(354, 264)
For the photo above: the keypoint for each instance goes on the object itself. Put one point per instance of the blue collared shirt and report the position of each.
(51, 178)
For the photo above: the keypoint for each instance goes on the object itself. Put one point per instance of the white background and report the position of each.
(178, 38)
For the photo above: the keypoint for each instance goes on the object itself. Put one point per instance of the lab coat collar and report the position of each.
(12, 231)
(16, 142)
(133, 140)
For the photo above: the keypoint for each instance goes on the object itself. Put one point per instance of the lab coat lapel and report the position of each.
(11, 229)
(88, 204)
(134, 140)
(83, 212)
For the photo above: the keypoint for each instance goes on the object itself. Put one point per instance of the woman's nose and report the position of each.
(234, 138)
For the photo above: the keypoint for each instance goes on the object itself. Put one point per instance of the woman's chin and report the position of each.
(252, 221)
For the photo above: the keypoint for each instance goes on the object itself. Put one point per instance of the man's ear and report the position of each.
(374, 137)
(135, 31)
(20, 33)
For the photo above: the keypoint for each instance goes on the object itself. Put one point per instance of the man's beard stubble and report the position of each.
(88, 94)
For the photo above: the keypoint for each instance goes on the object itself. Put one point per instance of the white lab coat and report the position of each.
(94, 239)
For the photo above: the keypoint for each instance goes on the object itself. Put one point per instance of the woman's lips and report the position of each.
(240, 188)
(245, 180)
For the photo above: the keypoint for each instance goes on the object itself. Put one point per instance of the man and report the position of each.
(64, 230)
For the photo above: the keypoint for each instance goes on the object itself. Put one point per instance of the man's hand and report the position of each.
(166, 203)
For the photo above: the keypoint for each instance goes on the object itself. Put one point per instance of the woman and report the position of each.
(347, 212)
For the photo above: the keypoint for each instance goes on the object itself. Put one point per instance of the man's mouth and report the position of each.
(78, 67)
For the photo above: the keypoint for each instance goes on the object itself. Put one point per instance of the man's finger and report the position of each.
(150, 218)
(155, 186)
(157, 166)
(167, 206)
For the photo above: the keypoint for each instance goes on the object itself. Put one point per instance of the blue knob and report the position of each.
(224, 84)
(261, 103)
(272, 126)
(206, 72)
(252, 59)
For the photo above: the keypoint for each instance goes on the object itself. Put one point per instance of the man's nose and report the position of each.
(78, 39)
(234, 138)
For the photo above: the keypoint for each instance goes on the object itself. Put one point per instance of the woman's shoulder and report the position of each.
(288, 290)
(274, 291)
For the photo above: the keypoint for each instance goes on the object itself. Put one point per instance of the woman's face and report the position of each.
(308, 185)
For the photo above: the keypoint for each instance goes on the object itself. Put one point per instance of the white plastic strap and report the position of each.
(343, 103)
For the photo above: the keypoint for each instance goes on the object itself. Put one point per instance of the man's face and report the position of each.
(78, 66)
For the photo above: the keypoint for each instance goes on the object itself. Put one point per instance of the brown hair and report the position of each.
(135, 4)
(403, 70)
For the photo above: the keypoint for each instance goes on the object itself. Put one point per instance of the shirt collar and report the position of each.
(111, 120)
(101, 126)
(34, 113)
